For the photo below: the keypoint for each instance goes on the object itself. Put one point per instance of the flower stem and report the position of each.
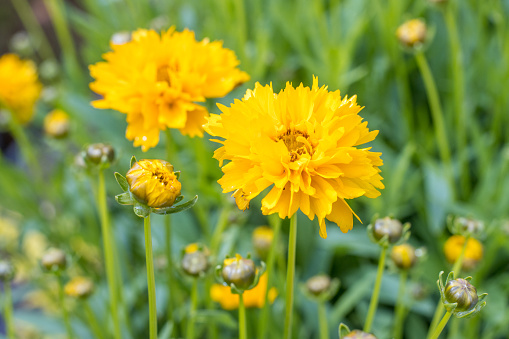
(262, 325)
(169, 268)
(322, 319)
(150, 279)
(108, 253)
(437, 115)
(290, 276)
(192, 310)
(92, 321)
(456, 269)
(62, 306)
(376, 291)
(242, 318)
(9, 321)
(441, 326)
(400, 306)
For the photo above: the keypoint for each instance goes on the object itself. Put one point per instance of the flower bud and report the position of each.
(403, 256)
(356, 334)
(54, 260)
(412, 33)
(462, 292)
(79, 287)
(153, 182)
(388, 226)
(120, 38)
(20, 43)
(6, 271)
(470, 226)
(473, 252)
(100, 153)
(195, 260)
(56, 124)
(318, 284)
(239, 271)
(262, 240)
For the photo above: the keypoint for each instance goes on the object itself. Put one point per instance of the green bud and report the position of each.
(462, 292)
(6, 271)
(392, 228)
(195, 263)
(54, 260)
(239, 271)
(356, 334)
(318, 284)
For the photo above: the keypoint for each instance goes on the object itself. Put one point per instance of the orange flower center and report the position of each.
(163, 177)
(162, 74)
(297, 143)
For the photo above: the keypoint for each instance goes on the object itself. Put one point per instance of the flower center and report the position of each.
(163, 177)
(163, 75)
(297, 143)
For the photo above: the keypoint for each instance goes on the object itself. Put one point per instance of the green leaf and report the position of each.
(216, 316)
(178, 199)
(122, 181)
(176, 209)
(165, 333)
(177, 174)
(124, 199)
(141, 210)
(133, 161)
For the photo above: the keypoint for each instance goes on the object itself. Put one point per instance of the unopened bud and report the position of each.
(392, 228)
(79, 287)
(357, 334)
(56, 124)
(403, 256)
(262, 240)
(462, 292)
(239, 271)
(6, 271)
(412, 33)
(54, 260)
(318, 284)
(195, 261)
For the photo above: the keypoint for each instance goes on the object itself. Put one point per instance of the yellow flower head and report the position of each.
(473, 252)
(19, 87)
(79, 287)
(412, 32)
(262, 240)
(56, 124)
(403, 256)
(252, 298)
(157, 79)
(153, 183)
(302, 143)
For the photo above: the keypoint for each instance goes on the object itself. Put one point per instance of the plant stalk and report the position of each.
(322, 320)
(61, 301)
(441, 326)
(8, 309)
(290, 276)
(242, 318)
(192, 309)
(400, 306)
(151, 282)
(376, 291)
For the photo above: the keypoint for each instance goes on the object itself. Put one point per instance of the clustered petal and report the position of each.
(157, 80)
(302, 144)
(19, 86)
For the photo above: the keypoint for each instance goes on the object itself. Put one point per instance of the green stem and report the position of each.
(92, 321)
(242, 318)
(192, 310)
(57, 14)
(437, 115)
(240, 13)
(264, 318)
(39, 40)
(222, 223)
(376, 291)
(62, 306)
(441, 326)
(290, 276)
(108, 253)
(9, 319)
(171, 289)
(150, 280)
(400, 306)
(458, 96)
(456, 269)
(322, 319)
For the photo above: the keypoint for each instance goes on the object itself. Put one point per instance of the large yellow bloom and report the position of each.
(19, 87)
(302, 143)
(157, 81)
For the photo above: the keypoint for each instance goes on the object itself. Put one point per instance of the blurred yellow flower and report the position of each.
(79, 287)
(412, 32)
(56, 124)
(302, 143)
(153, 182)
(157, 81)
(9, 233)
(252, 298)
(473, 252)
(19, 87)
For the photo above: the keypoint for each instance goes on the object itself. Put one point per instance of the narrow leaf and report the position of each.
(176, 209)
(124, 199)
(122, 181)
(133, 161)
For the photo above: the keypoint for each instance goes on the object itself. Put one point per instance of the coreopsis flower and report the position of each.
(404, 256)
(302, 144)
(57, 124)
(473, 252)
(158, 80)
(154, 183)
(79, 287)
(252, 298)
(19, 87)
(412, 33)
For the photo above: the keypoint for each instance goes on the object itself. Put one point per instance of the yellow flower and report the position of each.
(262, 240)
(56, 124)
(412, 32)
(302, 143)
(252, 298)
(153, 182)
(157, 81)
(473, 251)
(79, 287)
(403, 256)
(19, 87)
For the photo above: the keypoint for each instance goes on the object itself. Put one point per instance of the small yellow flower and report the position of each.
(19, 87)
(56, 124)
(403, 256)
(412, 32)
(157, 80)
(473, 252)
(153, 182)
(252, 298)
(191, 248)
(79, 287)
(302, 144)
